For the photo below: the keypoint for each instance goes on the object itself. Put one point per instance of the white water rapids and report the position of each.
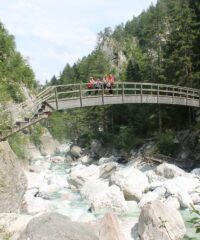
(48, 191)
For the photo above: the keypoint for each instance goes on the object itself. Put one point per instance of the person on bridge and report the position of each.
(110, 83)
(97, 85)
(90, 84)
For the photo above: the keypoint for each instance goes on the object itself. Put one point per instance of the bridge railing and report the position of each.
(122, 88)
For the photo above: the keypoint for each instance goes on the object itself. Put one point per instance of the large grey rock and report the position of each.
(131, 181)
(76, 151)
(181, 183)
(96, 149)
(31, 151)
(146, 198)
(12, 225)
(196, 171)
(103, 197)
(81, 174)
(107, 169)
(110, 228)
(160, 221)
(12, 180)
(184, 199)
(104, 160)
(169, 170)
(48, 145)
(54, 226)
(173, 202)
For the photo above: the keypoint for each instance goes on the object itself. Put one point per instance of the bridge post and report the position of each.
(199, 98)
(158, 94)
(173, 95)
(122, 92)
(187, 98)
(56, 96)
(80, 92)
(141, 92)
(103, 95)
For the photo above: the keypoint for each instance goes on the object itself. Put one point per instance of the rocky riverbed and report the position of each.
(71, 193)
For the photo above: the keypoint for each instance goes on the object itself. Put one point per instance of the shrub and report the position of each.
(166, 144)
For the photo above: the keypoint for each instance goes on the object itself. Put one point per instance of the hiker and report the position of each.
(90, 85)
(97, 85)
(104, 81)
(110, 83)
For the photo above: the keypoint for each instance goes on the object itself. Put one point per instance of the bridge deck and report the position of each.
(69, 103)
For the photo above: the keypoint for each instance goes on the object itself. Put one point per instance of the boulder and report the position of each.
(195, 198)
(184, 199)
(159, 220)
(57, 159)
(85, 159)
(12, 180)
(131, 181)
(107, 169)
(110, 228)
(153, 177)
(181, 183)
(103, 197)
(48, 145)
(96, 149)
(173, 202)
(63, 148)
(76, 151)
(68, 158)
(81, 174)
(104, 160)
(54, 226)
(31, 151)
(196, 171)
(12, 225)
(148, 197)
(160, 191)
(169, 170)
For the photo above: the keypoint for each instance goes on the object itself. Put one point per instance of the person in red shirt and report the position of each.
(90, 84)
(111, 81)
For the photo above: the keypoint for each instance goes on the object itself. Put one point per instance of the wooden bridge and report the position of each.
(63, 97)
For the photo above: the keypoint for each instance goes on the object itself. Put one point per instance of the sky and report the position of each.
(52, 33)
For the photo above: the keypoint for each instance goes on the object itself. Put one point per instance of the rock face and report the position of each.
(131, 181)
(54, 226)
(110, 228)
(160, 221)
(12, 180)
(48, 145)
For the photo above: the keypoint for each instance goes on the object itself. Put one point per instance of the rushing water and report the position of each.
(58, 197)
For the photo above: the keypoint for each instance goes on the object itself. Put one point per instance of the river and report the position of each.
(55, 195)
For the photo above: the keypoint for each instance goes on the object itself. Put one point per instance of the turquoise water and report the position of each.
(68, 202)
(190, 234)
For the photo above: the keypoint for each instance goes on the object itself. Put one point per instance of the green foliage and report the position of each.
(36, 132)
(14, 69)
(195, 220)
(161, 45)
(4, 233)
(166, 143)
(17, 143)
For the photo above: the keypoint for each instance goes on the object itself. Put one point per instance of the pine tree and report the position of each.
(179, 46)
